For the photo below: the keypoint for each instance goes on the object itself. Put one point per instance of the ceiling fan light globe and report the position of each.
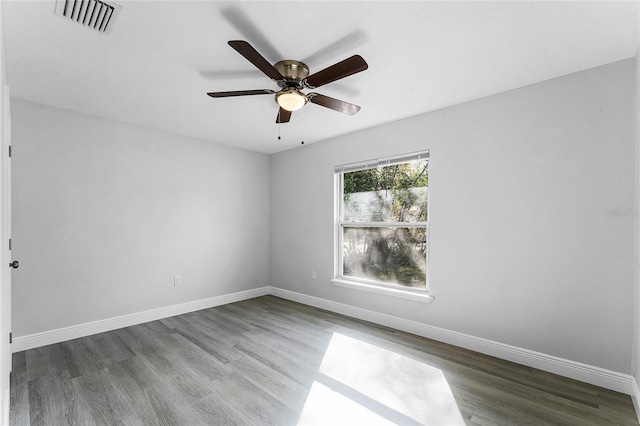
(291, 100)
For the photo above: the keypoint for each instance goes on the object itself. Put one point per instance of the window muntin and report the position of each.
(383, 222)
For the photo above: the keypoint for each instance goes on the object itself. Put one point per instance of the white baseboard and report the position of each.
(36, 340)
(635, 396)
(575, 370)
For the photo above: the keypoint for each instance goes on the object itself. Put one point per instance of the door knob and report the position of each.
(14, 264)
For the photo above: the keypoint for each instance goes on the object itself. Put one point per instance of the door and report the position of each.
(5, 269)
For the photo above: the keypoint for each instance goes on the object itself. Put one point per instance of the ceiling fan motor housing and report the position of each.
(293, 72)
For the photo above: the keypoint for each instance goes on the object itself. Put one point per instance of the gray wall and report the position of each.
(523, 247)
(106, 213)
(531, 240)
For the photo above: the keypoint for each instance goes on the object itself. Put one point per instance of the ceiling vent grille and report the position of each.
(98, 15)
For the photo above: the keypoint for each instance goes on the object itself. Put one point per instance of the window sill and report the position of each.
(405, 294)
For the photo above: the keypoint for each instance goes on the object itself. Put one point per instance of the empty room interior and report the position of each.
(330, 213)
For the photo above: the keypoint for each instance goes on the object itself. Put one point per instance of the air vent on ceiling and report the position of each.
(99, 15)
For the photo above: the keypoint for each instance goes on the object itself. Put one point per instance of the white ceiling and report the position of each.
(161, 58)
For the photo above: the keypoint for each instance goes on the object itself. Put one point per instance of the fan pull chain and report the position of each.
(279, 124)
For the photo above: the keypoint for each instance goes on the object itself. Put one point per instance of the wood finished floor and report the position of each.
(271, 361)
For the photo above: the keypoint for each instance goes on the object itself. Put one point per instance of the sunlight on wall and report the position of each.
(361, 383)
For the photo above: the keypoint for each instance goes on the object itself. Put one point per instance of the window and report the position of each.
(382, 225)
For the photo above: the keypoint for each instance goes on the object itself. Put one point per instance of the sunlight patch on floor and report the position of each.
(361, 383)
(327, 407)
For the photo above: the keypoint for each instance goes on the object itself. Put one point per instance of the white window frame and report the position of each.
(373, 286)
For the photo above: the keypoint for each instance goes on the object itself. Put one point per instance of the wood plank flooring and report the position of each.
(272, 361)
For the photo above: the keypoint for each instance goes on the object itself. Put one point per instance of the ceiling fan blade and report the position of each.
(334, 104)
(337, 71)
(240, 93)
(252, 55)
(283, 116)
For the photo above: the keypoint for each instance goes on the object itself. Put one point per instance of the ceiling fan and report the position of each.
(293, 76)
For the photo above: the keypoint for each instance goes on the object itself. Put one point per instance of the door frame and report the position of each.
(5, 254)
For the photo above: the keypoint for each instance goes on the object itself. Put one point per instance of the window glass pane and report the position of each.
(396, 193)
(388, 254)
